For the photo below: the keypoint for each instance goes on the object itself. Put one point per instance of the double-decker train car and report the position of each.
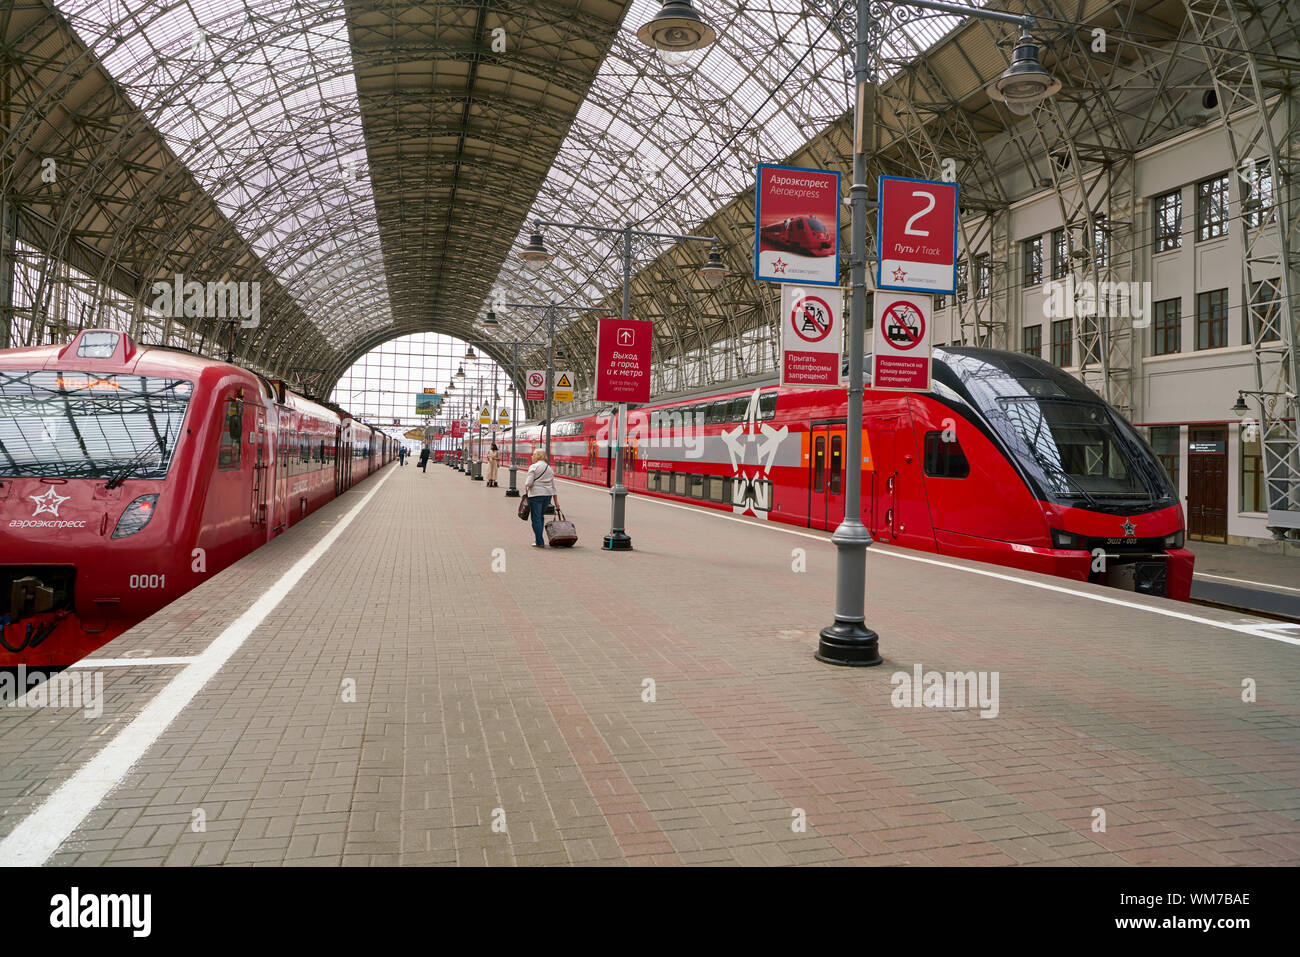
(1006, 460)
(805, 234)
(129, 474)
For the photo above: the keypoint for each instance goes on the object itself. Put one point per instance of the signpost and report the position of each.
(812, 336)
(535, 385)
(504, 418)
(564, 388)
(623, 360)
(797, 225)
(900, 355)
(917, 230)
(485, 417)
(427, 402)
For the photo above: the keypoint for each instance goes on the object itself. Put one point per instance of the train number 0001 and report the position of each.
(148, 581)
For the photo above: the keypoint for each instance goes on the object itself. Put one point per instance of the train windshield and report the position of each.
(815, 224)
(86, 425)
(1081, 450)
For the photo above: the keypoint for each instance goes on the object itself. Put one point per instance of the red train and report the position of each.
(129, 474)
(1006, 460)
(806, 234)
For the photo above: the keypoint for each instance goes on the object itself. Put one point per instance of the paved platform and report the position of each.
(1247, 578)
(409, 694)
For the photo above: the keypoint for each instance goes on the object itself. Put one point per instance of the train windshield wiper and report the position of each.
(122, 474)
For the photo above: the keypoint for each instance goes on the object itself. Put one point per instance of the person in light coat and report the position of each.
(539, 486)
(493, 464)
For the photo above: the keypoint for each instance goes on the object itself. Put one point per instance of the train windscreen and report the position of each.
(65, 424)
(1082, 450)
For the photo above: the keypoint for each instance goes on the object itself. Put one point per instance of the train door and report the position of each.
(338, 460)
(883, 512)
(282, 476)
(826, 475)
(1207, 483)
(261, 456)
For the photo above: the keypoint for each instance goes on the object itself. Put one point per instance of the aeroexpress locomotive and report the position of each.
(129, 474)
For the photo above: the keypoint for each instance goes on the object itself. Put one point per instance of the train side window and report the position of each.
(739, 408)
(232, 436)
(717, 413)
(837, 464)
(697, 486)
(767, 406)
(944, 459)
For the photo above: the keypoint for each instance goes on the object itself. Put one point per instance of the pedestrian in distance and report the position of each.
(493, 463)
(424, 460)
(539, 486)
(401, 455)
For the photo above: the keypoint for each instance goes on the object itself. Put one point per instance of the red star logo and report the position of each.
(899, 274)
(778, 267)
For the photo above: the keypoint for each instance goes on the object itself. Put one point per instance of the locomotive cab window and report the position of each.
(232, 433)
(944, 459)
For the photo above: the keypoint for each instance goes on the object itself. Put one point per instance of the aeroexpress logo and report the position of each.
(751, 492)
(47, 504)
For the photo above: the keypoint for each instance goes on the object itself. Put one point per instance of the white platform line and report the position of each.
(39, 834)
(130, 662)
(1256, 629)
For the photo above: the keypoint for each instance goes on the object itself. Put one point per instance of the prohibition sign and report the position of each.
(535, 380)
(818, 317)
(900, 334)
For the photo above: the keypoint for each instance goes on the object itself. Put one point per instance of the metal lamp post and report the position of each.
(1021, 87)
(536, 255)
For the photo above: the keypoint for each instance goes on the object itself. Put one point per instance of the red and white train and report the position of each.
(129, 474)
(805, 234)
(1006, 460)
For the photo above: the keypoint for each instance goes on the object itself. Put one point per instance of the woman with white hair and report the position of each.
(539, 486)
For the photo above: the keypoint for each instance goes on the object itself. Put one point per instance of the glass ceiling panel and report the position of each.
(257, 98)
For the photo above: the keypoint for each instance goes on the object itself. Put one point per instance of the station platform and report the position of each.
(1247, 579)
(403, 679)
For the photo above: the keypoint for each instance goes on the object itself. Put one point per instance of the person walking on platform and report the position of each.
(401, 455)
(424, 459)
(493, 463)
(539, 486)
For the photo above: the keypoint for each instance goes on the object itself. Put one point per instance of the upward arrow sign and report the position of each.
(625, 337)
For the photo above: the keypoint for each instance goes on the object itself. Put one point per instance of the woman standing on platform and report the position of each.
(539, 486)
(493, 462)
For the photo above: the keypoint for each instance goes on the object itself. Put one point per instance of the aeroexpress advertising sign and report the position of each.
(797, 226)
(812, 336)
(900, 354)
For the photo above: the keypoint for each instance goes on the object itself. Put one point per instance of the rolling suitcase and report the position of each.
(560, 532)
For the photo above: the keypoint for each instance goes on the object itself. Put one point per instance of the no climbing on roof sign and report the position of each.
(900, 356)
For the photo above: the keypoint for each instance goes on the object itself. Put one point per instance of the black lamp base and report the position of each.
(849, 643)
(617, 542)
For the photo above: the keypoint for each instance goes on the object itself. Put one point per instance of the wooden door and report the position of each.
(1207, 483)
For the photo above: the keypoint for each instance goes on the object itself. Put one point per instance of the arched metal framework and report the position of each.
(374, 164)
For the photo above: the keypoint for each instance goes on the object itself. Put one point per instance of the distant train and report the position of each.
(129, 474)
(1006, 460)
(805, 234)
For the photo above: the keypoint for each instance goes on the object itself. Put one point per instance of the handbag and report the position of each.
(560, 532)
(524, 510)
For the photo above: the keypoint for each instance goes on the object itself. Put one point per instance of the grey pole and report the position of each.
(618, 540)
(478, 431)
(513, 492)
(550, 375)
(849, 641)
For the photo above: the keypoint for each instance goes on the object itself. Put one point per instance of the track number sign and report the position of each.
(900, 358)
(535, 385)
(917, 235)
(812, 336)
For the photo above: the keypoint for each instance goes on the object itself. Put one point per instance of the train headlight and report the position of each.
(136, 516)
(1062, 539)
(1175, 540)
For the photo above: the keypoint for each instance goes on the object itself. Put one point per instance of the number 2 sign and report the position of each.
(917, 235)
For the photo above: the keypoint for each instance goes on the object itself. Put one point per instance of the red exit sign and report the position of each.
(623, 360)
